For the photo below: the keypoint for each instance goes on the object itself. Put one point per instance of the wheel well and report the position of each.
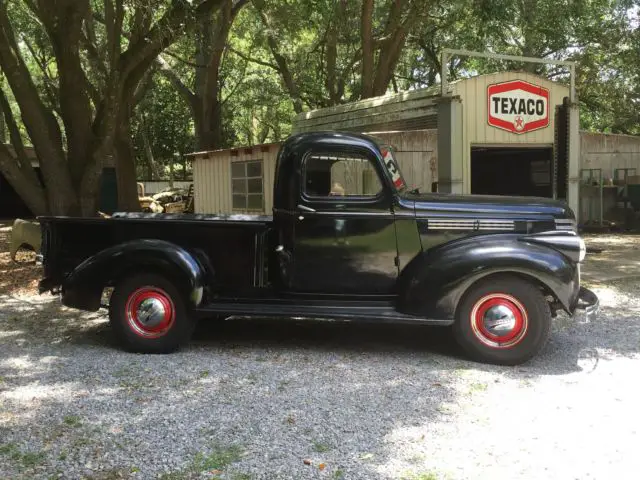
(131, 270)
(555, 304)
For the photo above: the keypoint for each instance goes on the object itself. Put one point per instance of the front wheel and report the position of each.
(504, 320)
(148, 315)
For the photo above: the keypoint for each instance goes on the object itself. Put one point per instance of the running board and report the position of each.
(353, 312)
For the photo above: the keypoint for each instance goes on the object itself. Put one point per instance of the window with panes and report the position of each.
(247, 185)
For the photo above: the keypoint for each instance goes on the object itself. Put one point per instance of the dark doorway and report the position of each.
(562, 149)
(11, 205)
(108, 191)
(520, 171)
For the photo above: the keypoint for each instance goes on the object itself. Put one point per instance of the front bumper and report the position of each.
(588, 301)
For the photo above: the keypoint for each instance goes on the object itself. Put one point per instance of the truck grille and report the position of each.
(470, 224)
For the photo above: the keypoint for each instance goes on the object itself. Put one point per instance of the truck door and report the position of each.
(344, 236)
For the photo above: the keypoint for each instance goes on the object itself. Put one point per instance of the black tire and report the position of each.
(171, 331)
(523, 308)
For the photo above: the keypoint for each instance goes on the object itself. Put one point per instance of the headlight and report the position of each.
(583, 250)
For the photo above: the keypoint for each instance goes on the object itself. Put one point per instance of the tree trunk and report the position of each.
(126, 170)
(31, 193)
(3, 129)
(367, 48)
(210, 135)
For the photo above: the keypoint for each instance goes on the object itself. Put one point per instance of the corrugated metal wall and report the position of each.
(212, 177)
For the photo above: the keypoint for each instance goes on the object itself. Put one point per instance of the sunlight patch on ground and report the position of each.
(36, 391)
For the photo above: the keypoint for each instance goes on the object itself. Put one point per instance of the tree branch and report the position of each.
(252, 59)
(183, 60)
(170, 74)
(39, 122)
(281, 61)
(142, 53)
(14, 131)
(18, 169)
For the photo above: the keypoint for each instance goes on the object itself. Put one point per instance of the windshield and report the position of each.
(392, 167)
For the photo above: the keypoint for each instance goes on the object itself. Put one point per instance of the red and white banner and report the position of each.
(518, 106)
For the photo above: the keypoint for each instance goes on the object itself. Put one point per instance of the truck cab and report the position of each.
(348, 240)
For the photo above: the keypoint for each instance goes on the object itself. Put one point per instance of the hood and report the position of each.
(488, 205)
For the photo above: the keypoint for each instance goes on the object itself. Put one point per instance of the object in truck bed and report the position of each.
(495, 269)
(24, 234)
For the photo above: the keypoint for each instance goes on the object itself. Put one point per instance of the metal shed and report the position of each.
(235, 179)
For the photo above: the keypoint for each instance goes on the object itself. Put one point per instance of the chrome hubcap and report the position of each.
(499, 320)
(151, 312)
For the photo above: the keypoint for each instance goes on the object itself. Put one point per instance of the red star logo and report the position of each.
(519, 123)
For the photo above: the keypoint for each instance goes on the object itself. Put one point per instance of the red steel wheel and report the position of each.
(150, 312)
(503, 319)
(499, 320)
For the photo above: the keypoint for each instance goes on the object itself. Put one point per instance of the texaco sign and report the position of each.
(518, 106)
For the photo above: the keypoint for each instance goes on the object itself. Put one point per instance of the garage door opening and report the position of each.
(512, 171)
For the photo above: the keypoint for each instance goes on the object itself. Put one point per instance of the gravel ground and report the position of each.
(270, 400)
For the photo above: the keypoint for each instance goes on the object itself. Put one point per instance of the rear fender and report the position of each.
(433, 283)
(83, 287)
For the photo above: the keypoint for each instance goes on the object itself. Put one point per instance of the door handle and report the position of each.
(304, 208)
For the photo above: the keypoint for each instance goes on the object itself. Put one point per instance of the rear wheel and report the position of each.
(504, 320)
(148, 315)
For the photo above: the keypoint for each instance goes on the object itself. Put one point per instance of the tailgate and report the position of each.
(66, 242)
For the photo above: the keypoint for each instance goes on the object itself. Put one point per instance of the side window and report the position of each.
(246, 185)
(346, 175)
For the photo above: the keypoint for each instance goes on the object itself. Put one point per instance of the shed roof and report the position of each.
(257, 146)
(411, 110)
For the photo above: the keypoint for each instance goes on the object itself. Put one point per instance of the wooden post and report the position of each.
(173, 160)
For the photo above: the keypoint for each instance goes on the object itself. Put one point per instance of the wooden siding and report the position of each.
(608, 152)
(406, 111)
(417, 155)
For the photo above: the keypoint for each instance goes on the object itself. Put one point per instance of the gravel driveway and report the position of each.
(272, 399)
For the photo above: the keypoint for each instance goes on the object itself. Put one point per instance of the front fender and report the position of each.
(82, 288)
(434, 281)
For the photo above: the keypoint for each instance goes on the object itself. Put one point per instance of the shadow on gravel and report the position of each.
(284, 391)
(324, 336)
(615, 331)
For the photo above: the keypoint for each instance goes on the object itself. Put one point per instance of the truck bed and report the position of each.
(234, 243)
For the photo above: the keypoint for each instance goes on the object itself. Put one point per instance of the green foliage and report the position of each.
(279, 57)
(165, 119)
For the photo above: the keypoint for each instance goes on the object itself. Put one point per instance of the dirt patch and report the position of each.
(619, 258)
(19, 277)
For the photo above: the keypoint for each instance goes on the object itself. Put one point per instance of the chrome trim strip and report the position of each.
(404, 214)
(351, 214)
(438, 223)
(469, 224)
(565, 224)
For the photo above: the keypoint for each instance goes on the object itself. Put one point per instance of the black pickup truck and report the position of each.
(348, 240)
